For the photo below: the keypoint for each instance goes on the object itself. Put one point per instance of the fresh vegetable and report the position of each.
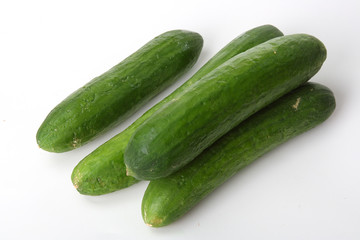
(169, 198)
(205, 111)
(103, 171)
(115, 95)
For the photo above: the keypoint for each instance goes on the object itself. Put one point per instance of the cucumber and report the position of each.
(113, 96)
(193, 120)
(167, 199)
(103, 171)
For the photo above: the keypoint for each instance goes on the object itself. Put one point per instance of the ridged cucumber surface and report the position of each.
(167, 199)
(103, 171)
(202, 113)
(113, 96)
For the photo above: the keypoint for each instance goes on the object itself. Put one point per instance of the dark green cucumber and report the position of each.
(169, 198)
(192, 121)
(103, 171)
(115, 95)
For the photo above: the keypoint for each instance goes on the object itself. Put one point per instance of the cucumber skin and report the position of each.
(103, 171)
(167, 199)
(182, 129)
(113, 96)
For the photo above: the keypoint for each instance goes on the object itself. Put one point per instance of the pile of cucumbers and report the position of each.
(250, 97)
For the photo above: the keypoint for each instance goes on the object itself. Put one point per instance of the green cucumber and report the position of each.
(113, 96)
(193, 120)
(103, 171)
(167, 199)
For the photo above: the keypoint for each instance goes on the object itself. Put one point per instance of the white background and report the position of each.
(306, 189)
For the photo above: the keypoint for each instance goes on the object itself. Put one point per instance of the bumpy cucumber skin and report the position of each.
(191, 122)
(103, 171)
(167, 199)
(113, 96)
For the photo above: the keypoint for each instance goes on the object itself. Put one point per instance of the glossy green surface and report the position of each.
(113, 96)
(193, 120)
(103, 171)
(169, 198)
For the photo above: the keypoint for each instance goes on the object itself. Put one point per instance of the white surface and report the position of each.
(306, 189)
